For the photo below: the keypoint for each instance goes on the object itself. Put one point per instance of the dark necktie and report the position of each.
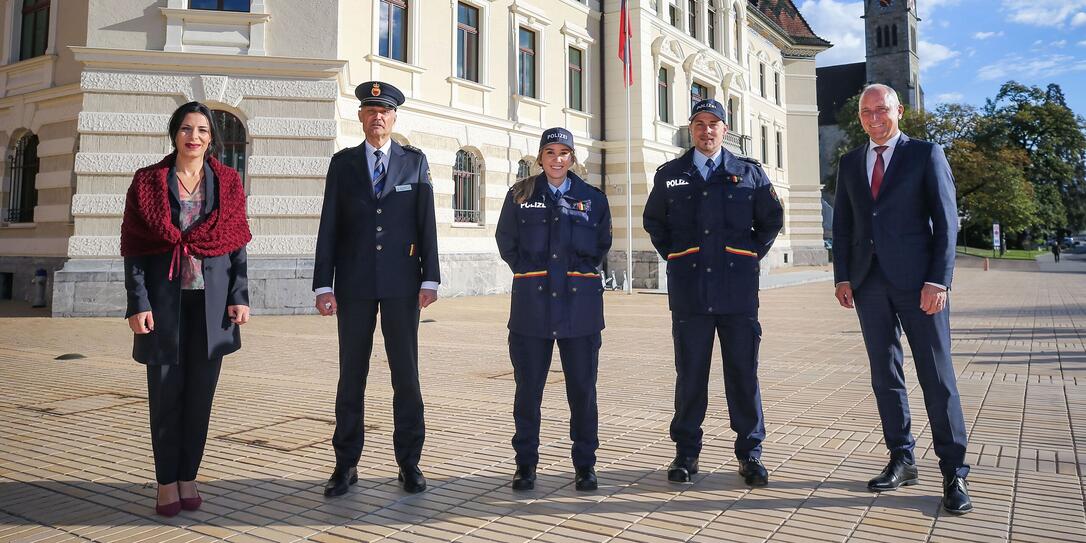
(879, 171)
(378, 173)
(709, 166)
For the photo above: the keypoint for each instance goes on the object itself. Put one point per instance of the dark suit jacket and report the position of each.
(912, 226)
(555, 254)
(368, 247)
(146, 279)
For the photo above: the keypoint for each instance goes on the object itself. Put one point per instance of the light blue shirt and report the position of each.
(701, 158)
(563, 188)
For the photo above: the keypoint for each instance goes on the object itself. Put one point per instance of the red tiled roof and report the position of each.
(785, 15)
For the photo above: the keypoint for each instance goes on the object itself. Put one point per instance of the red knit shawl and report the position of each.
(148, 228)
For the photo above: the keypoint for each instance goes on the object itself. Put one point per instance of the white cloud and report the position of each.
(1031, 68)
(1082, 43)
(949, 98)
(1079, 19)
(1045, 12)
(925, 8)
(1059, 44)
(932, 54)
(839, 22)
(986, 35)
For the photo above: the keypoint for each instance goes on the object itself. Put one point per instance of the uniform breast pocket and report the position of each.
(583, 234)
(682, 205)
(533, 232)
(739, 209)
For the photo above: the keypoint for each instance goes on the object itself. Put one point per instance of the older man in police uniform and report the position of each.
(713, 216)
(377, 254)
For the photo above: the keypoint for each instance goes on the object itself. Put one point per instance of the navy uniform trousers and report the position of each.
(740, 336)
(531, 357)
(357, 320)
(884, 311)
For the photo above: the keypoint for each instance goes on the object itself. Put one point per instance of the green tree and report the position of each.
(992, 187)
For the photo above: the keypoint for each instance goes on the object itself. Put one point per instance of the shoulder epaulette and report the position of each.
(412, 148)
(660, 167)
(749, 159)
(342, 151)
(594, 187)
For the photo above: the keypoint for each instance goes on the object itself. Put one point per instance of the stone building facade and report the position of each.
(483, 79)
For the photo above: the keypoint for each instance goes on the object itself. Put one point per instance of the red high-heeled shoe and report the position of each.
(169, 509)
(192, 504)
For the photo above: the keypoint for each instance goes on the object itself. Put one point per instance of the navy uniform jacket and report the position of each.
(712, 233)
(555, 253)
(912, 226)
(371, 248)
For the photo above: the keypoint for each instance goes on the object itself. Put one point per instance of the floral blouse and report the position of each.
(192, 210)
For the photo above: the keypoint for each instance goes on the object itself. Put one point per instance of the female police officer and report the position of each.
(554, 231)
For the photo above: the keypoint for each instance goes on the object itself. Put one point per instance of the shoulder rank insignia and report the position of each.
(413, 149)
(749, 159)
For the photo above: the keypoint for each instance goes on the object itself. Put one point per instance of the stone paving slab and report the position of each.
(75, 458)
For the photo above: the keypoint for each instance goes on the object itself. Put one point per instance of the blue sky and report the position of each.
(968, 48)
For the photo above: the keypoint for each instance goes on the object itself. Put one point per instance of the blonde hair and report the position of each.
(522, 189)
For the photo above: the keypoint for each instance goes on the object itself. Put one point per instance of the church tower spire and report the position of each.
(892, 56)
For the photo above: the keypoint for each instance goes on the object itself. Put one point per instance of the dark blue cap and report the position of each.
(378, 93)
(556, 135)
(708, 106)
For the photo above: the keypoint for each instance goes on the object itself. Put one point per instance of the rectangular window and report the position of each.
(692, 18)
(220, 5)
(467, 42)
(711, 20)
(35, 29)
(765, 145)
(393, 30)
(663, 98)
(761, 79)
(780, 149)
(698, 92)
(576, 79)
(738, 35)
(777, 87)
(732, 124)
(526, 63)
(673, 13)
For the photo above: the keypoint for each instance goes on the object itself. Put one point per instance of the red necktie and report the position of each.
(877, 173)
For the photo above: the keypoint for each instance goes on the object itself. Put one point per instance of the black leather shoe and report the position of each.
(956, 495)
(897, 473)
(753, 472)
(524, 477)
(682, 468)
(412, 480)
(342, 478)
(586, 479)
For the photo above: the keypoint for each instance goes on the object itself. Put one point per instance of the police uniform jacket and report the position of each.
(370, 246)
(149, 288)
(712, 232)
(555, 250)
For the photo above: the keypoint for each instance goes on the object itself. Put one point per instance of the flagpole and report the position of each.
(628, 80)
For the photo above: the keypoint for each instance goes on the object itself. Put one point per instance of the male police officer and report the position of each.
(713, 216)
(377, 246)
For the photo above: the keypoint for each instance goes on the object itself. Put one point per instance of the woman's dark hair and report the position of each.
(215, 147)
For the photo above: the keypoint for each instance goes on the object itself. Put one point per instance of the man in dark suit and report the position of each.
(894, 228)
(377, 253)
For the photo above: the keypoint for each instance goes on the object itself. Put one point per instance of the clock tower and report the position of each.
(892, 56)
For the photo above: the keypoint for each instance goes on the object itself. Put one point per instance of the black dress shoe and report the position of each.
(342, 478)
(956, 495)
(586, 479)
(682, 468)
(524, 477)
(753, 472)
(897, 473)
(412, 480)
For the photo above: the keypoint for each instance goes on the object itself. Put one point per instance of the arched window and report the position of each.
(23, 172)
(738, 34)
(232, 133)
(524, 168)
(895, 35)
(878, 36)
(467, 190)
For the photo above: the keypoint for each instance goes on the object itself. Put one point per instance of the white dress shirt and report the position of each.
(371, 163)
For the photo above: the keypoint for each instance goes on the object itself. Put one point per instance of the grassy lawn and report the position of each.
(1011, 254)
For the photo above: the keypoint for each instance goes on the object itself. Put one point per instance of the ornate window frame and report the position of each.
(181, 20)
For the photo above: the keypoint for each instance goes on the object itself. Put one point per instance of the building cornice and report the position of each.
(192, 62)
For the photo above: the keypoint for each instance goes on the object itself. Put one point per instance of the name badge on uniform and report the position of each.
(403, 188)
(677, 183)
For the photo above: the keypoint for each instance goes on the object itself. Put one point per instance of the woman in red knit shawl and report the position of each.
(183, 240)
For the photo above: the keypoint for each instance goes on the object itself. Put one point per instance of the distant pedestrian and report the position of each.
(1056, 251)
(183, 240)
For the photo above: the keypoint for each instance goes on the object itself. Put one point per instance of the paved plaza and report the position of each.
(75, 456)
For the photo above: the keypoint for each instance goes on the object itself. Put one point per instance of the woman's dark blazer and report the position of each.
(149, 289)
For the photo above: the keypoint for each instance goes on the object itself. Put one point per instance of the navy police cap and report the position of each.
(556, 135)
(708, 106)
(378, 93)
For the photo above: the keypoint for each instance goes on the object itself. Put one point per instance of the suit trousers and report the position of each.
(740, 336)
(531, 358)
(180, 397)
(357, 320)
(884, 312)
